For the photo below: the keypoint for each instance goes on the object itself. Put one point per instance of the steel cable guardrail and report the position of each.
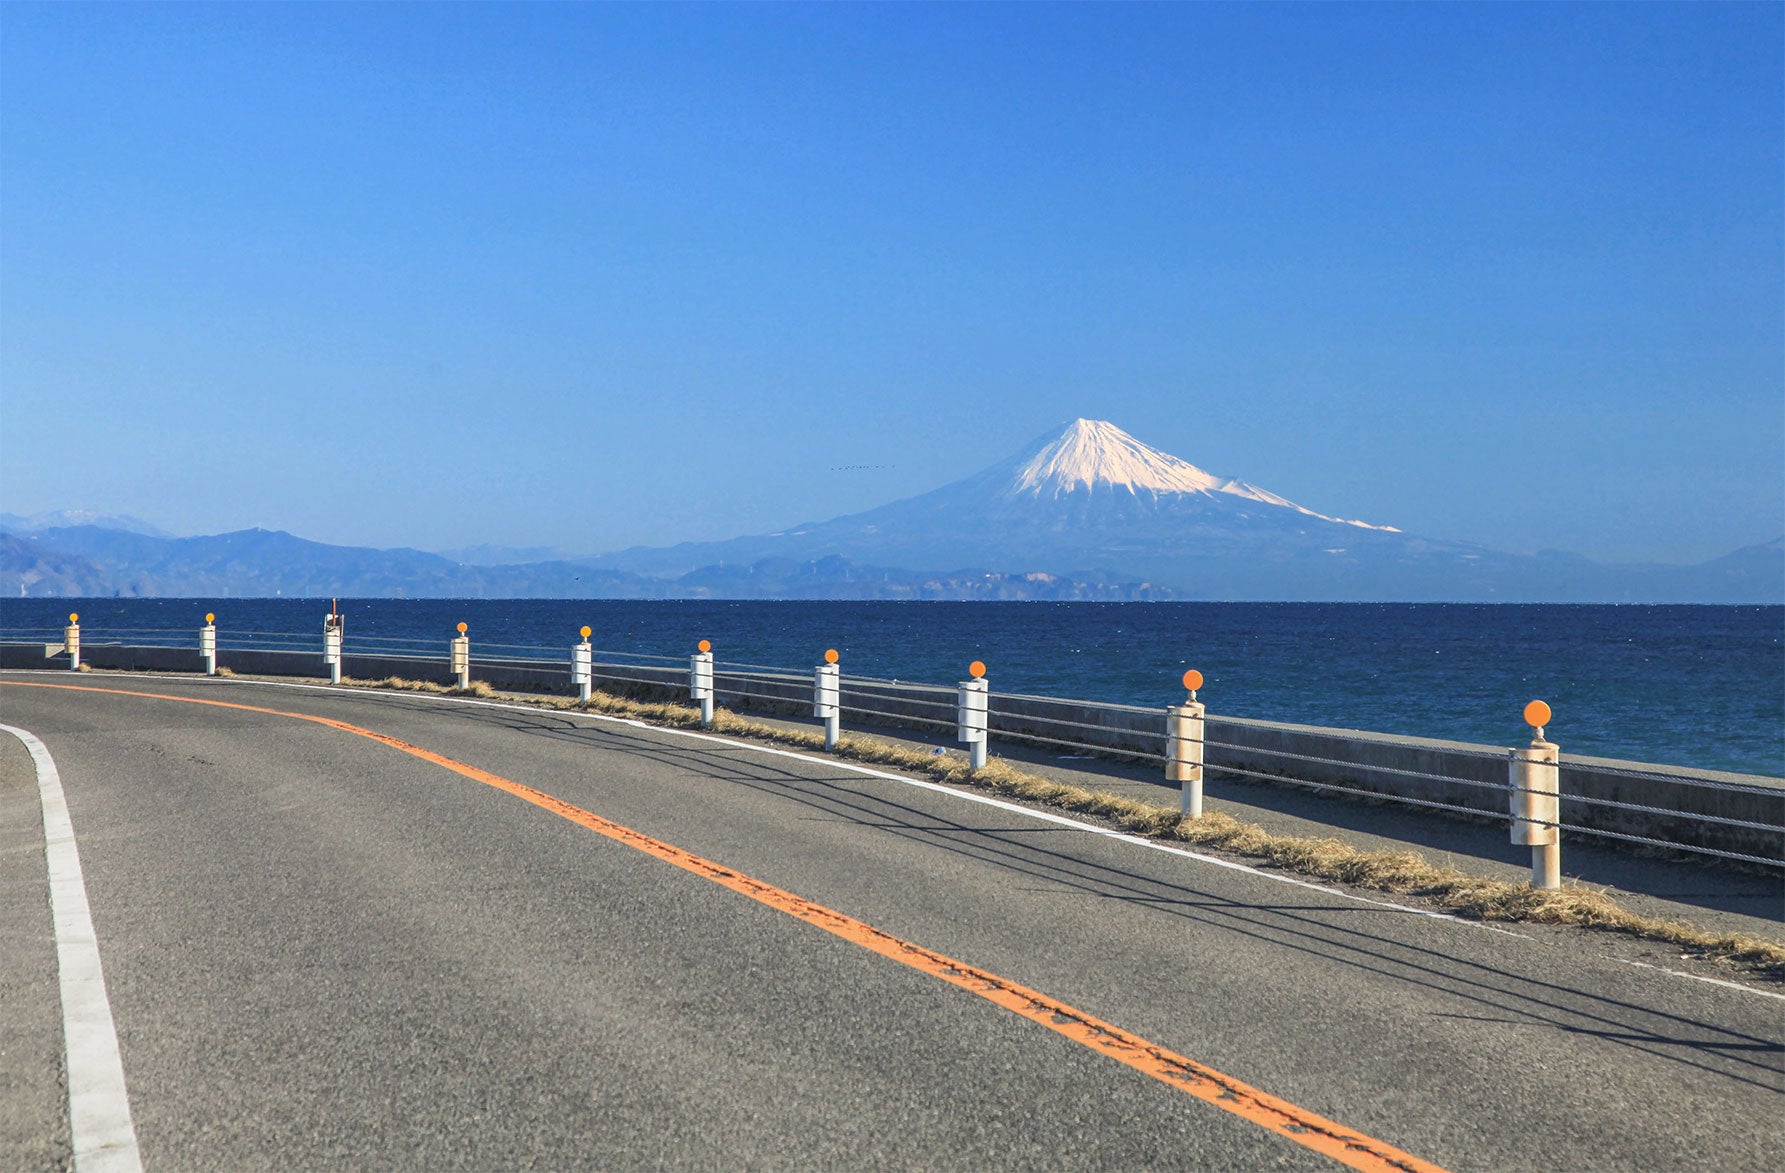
(1038, 739)
(936, 721)
(1660, 775)
(918, 701)
(1496, 787)
(1024, 719)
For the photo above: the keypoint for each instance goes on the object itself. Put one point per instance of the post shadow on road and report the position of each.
(1291, 809)
(1346, 934)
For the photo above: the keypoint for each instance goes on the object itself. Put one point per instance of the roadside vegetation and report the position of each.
(1403, 873)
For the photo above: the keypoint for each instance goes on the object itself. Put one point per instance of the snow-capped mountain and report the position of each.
(62, 518)
(1092, 454)
(1084, 512)
(1092, 502)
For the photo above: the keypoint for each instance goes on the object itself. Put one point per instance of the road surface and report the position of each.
(503, 937)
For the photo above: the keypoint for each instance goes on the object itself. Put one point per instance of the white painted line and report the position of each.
(924, 784)
(99, 1126)
(1698, 977)
(836, 763)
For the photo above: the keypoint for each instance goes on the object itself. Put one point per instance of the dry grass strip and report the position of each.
(1405, 873)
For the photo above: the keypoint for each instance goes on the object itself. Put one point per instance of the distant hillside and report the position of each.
(1091, 502)
(62, 518)
(88, 560)
(29, 568)
(1088, 512)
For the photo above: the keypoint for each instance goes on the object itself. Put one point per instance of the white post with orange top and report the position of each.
(582, 667)
(71, 639)
(700, 680)
(207, 643)
(827, 691)
(334, 631)
(1535, 784)
(461, 658)
(1183, 747)
(970, 712)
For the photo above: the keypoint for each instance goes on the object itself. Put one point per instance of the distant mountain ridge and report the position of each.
(1084, 512)
(91, 561)
(1091, 501)
(62, 518)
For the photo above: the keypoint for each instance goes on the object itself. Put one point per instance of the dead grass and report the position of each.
(402, 684)
(1405, 873)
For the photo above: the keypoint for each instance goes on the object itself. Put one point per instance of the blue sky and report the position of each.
(596, 276)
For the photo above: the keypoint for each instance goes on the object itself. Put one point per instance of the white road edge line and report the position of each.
(1044, 816)
(920, 783)
(1698, 977)
(99, 1125)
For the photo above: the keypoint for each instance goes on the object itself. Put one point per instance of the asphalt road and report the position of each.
(323, 952)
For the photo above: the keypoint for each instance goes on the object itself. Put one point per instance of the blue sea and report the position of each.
(1683, 685)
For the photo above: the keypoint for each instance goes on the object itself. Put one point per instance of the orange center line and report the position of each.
(1305, 1128)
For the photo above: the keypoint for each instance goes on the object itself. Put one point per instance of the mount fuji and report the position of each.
(1085, 512)
(1093, 503)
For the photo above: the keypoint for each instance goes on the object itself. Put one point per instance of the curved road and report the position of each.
(537, 940)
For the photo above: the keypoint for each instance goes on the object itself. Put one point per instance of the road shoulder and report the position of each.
(33, 1079)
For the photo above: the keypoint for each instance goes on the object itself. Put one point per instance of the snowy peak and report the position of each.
(1093, 454)
(1090, 453)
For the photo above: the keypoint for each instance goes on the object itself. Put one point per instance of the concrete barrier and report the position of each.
(1455, 774)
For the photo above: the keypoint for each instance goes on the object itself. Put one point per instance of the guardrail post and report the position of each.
(207, 643)
(582, 667)
(461, 658)
(71, 639)
(1535, 785)
(827, 689)
(970, 713)
(334, 629)
(1183, 747)
(700, 680)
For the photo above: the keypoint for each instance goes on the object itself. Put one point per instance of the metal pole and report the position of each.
(700, 680)
(827, 691)
(334, 634)
(1546, 866)
(71, 639)
(1535, 785)
(971, 705)
(1183, 748)
(461, 658)
(1184, 755)
(207, 644)
(582, 667)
